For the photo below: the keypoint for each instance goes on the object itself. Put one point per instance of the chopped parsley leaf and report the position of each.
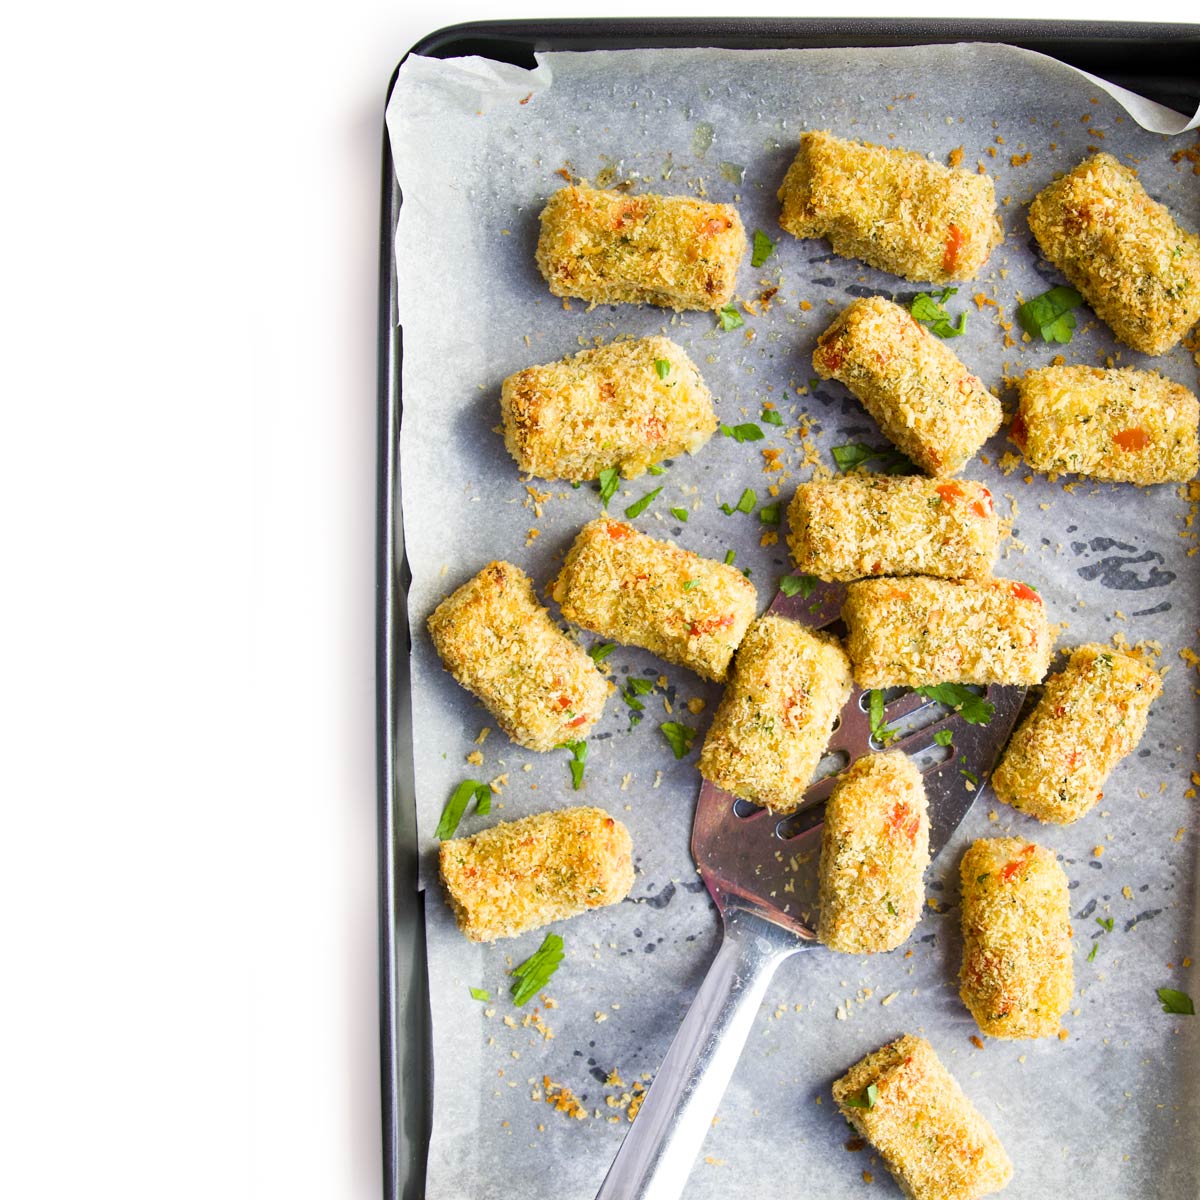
(639, 686)
(680, 736)
(973, 709)
(456, 806)
(748, 501)
(579, 753)
(791, 585)
(680, 514)
(1049, 315)
(855, 454)
(601, 650)
(747, 432)
(930, 312)
(943, 737)
(730, 318)
(663, 367)
(880, 730)
(771, 416)
(639, 506)
(866, 1100)
(480, 993)
(769, 514)
(763, 249)
(534, 973)
(655, 469)
(691, 583)
(1176, 1002)
(610, 479)
(969, 776)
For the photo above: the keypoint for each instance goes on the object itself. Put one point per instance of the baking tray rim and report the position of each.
(405, 1058)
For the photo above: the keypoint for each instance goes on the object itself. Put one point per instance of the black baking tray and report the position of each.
(1159, 61)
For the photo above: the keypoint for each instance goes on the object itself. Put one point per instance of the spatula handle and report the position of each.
(658, 1152)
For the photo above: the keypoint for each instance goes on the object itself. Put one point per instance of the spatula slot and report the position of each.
(832, 762)
(930, 757)
(743, 808)
(796, 823)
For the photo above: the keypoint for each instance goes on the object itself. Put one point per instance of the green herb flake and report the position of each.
(747, 432)
(480, 994)
(973, 709)
(655, 469)
(601, 650)
(930, 312)
(663, 367)
(855, 454)
(1176, 1002)
(1092, 952)
(456, 806)
(1049, 315)
(730, 318)
(969, 776)
(730, 555)
(801, 585)
(579, 754)
(880, 730)
(639, 686)
(680, 514)
(771, 416)
(1105, 923)
(610, 480)
(866, 1100)
(680, 736)
(943, 737)
(639, 506)
(534, 973)
(763, 249)
(748, 501)
(892, 909)
(769, 514)
(691, 583)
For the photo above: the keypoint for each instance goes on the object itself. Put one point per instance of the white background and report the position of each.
(187, 371)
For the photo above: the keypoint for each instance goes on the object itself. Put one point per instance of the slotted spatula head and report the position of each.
(765, 863)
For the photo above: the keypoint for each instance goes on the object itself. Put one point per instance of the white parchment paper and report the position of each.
(479, 147)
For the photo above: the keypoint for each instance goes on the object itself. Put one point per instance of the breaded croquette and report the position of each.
(892, 208)
(613, 248)
(502, 645)
(1133, 263)
(1121, 424)
(923, 397)
(929, 1135)
(626, 405)
(864, 525)
(874, 851)
(918, 631)
(787, 686)
(521, 875)
(1017, 976)
(1090, 716)
(641, 591)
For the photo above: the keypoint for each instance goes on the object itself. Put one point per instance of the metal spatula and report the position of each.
(760, 868)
